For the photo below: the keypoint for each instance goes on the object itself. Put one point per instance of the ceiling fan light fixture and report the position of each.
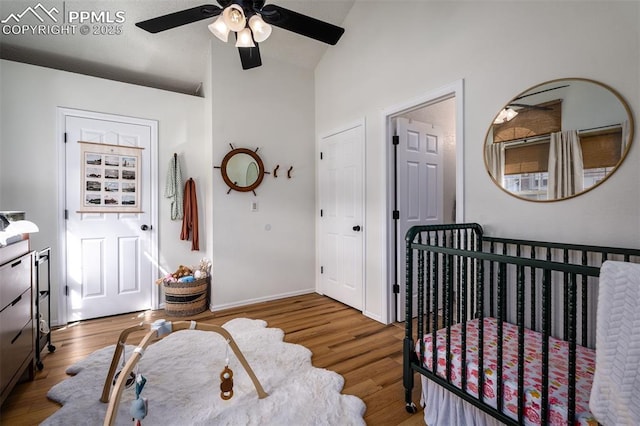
(261, 30)
(219, 29)
(234, 18)
(245, 39)
(507, 114)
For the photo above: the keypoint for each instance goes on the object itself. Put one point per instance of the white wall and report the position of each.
(386, 58)
(270, 253)
(29, 97)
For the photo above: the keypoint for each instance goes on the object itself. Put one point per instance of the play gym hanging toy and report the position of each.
(226, 379)
(139, 406)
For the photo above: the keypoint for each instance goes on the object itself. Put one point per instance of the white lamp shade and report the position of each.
(22, 227)
(219, 29)
(234, 18)
(245, 39)
(261, 30)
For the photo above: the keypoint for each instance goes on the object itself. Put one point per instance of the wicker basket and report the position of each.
(185, 299)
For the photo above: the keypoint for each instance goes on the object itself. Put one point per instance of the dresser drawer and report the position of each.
(13, 251)
(15, 316)
(15, 279)
(16, 347)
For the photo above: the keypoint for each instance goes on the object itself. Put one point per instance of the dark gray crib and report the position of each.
(455, 274)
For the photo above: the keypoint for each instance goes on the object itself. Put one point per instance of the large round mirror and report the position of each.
(242, 169)
(558, 139)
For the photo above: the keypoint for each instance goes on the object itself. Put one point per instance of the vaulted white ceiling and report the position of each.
(174, 60)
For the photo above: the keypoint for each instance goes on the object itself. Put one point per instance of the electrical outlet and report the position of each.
(254, 206)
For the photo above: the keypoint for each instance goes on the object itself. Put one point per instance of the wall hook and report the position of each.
(275, 171)
(289, 172)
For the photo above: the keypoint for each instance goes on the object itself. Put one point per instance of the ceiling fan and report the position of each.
(508, 113)
(537, 107)
(251, 22)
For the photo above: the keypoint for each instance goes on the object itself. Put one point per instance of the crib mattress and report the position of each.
(558, 371)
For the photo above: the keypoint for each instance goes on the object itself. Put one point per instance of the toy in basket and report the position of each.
(186, 289)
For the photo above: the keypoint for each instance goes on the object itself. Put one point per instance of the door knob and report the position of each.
(356, 228)
(145, 227)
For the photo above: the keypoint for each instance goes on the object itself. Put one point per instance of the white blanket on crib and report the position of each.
(615, 395)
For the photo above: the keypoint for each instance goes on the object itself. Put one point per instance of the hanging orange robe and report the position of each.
(190, 215)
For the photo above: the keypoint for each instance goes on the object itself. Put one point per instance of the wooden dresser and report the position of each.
(17, 341)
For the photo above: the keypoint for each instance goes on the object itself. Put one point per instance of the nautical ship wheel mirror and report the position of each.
(242, 170)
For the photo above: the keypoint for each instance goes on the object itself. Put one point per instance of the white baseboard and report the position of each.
(373, 316)
(246, 302)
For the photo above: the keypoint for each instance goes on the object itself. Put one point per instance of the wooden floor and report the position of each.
(366, 353)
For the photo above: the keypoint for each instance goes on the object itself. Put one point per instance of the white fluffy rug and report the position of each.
(183, 383)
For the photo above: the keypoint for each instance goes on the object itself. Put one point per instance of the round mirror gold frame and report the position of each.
(242, 170)
(514, 149)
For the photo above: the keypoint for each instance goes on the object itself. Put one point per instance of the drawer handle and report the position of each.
(16, 301)
(16, 338)
(14, 264)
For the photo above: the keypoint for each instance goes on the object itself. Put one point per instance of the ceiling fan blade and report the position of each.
(538, 107)
(301, 24)
(176, 19)
(250, 57)
(541, 91)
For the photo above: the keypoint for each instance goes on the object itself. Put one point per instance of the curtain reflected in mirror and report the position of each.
(558, 139)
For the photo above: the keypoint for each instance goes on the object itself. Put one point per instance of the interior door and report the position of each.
(109, 268)
(342, 216)
(420, 188)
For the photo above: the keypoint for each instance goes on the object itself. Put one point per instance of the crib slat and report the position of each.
(533, 324)
(584, 303)
(446, 266)
(427, 270)
(571, 290)
(502, 286)
(481, 296)
(565, 333)
(472, 273)
(463, 317)
(546, 331)
(434, 308)
(492, 311)
(420, 306)
(521, 347)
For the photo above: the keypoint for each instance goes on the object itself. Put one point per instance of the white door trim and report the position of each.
(455, 89)
(319, 137)
(62, 114)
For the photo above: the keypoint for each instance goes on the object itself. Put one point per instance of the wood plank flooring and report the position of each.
(366, 353)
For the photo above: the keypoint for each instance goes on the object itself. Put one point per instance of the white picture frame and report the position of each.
(110, 178)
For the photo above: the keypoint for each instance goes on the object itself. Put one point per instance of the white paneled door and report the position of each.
(420, 188)
(342, 216)
(109, 261)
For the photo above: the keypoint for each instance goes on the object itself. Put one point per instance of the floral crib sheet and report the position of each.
(558, 371)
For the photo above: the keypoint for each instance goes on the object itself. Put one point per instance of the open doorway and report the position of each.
(425, 176)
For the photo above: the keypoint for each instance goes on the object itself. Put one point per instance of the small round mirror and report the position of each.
(558, 139)
(242, 169)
